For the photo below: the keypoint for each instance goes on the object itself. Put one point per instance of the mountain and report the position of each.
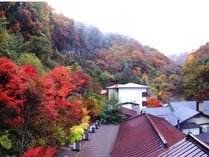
(179, 58)
(34, 28)
(196, 74)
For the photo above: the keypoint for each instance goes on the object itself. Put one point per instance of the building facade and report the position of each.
(129, 94)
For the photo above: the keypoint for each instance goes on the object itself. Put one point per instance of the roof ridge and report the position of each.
(132, 118)
(162, 138)
(195, 140)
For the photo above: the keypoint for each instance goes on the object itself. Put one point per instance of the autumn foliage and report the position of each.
(29, 102)
(40, 151)
(195, 74)
(69, 62)
(153, 102)
(11, 94)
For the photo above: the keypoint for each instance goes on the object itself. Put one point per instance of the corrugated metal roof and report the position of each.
(128, 85)
(144, 135)
(181, 113)
(189, 146)
(204, 137)
(189, 104)
(99, 145)
(129, 112)
(158, 111)
(192, 105)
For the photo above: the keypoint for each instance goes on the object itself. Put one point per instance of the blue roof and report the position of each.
(189, 104)
(158, 111)
(181, 113)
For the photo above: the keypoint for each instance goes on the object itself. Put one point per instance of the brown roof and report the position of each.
(145, 135)
(189, 146)
(129, 112)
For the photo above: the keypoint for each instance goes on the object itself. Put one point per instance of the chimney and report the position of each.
(200, 106)
(178, 123)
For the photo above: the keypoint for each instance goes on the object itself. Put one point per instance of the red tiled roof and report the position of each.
(145, 135)
(129, 112)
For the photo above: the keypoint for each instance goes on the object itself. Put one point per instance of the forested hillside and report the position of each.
(30, 30)
(196, 74)
(52, 70)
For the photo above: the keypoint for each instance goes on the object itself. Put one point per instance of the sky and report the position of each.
(170, 26)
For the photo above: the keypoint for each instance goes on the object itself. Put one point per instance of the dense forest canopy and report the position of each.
(54, 67)
(196, 74)
(34, 30)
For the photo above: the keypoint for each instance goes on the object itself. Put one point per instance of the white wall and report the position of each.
(202, 120)
(194, 131)
(132, 95)
(199, 120)
(129, 106)
(128, 95)
(205, 128)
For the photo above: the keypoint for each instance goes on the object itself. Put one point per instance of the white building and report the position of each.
(129, 94)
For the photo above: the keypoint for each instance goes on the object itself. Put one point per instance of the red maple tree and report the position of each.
(153, 102)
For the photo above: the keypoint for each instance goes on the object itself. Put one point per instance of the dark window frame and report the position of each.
(144, 103)
(144, 94)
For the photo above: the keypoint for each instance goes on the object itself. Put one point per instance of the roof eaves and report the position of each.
(203, 114)
(162, 138)
(189, 117)
(183, 120)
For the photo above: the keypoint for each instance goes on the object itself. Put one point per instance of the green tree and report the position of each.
(41, 47)
(5, 142)
(29, 58)
(112, 112)
(106, 78)
(10, 44)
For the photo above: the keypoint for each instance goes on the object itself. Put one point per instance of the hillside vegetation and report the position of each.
(52, 70)
(196, 74)
(32, 32)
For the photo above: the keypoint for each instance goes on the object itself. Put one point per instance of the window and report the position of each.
(144, 103)
(144, 94)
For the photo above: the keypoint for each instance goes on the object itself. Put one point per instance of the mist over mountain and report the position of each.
(34, 28)
(179, 58)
